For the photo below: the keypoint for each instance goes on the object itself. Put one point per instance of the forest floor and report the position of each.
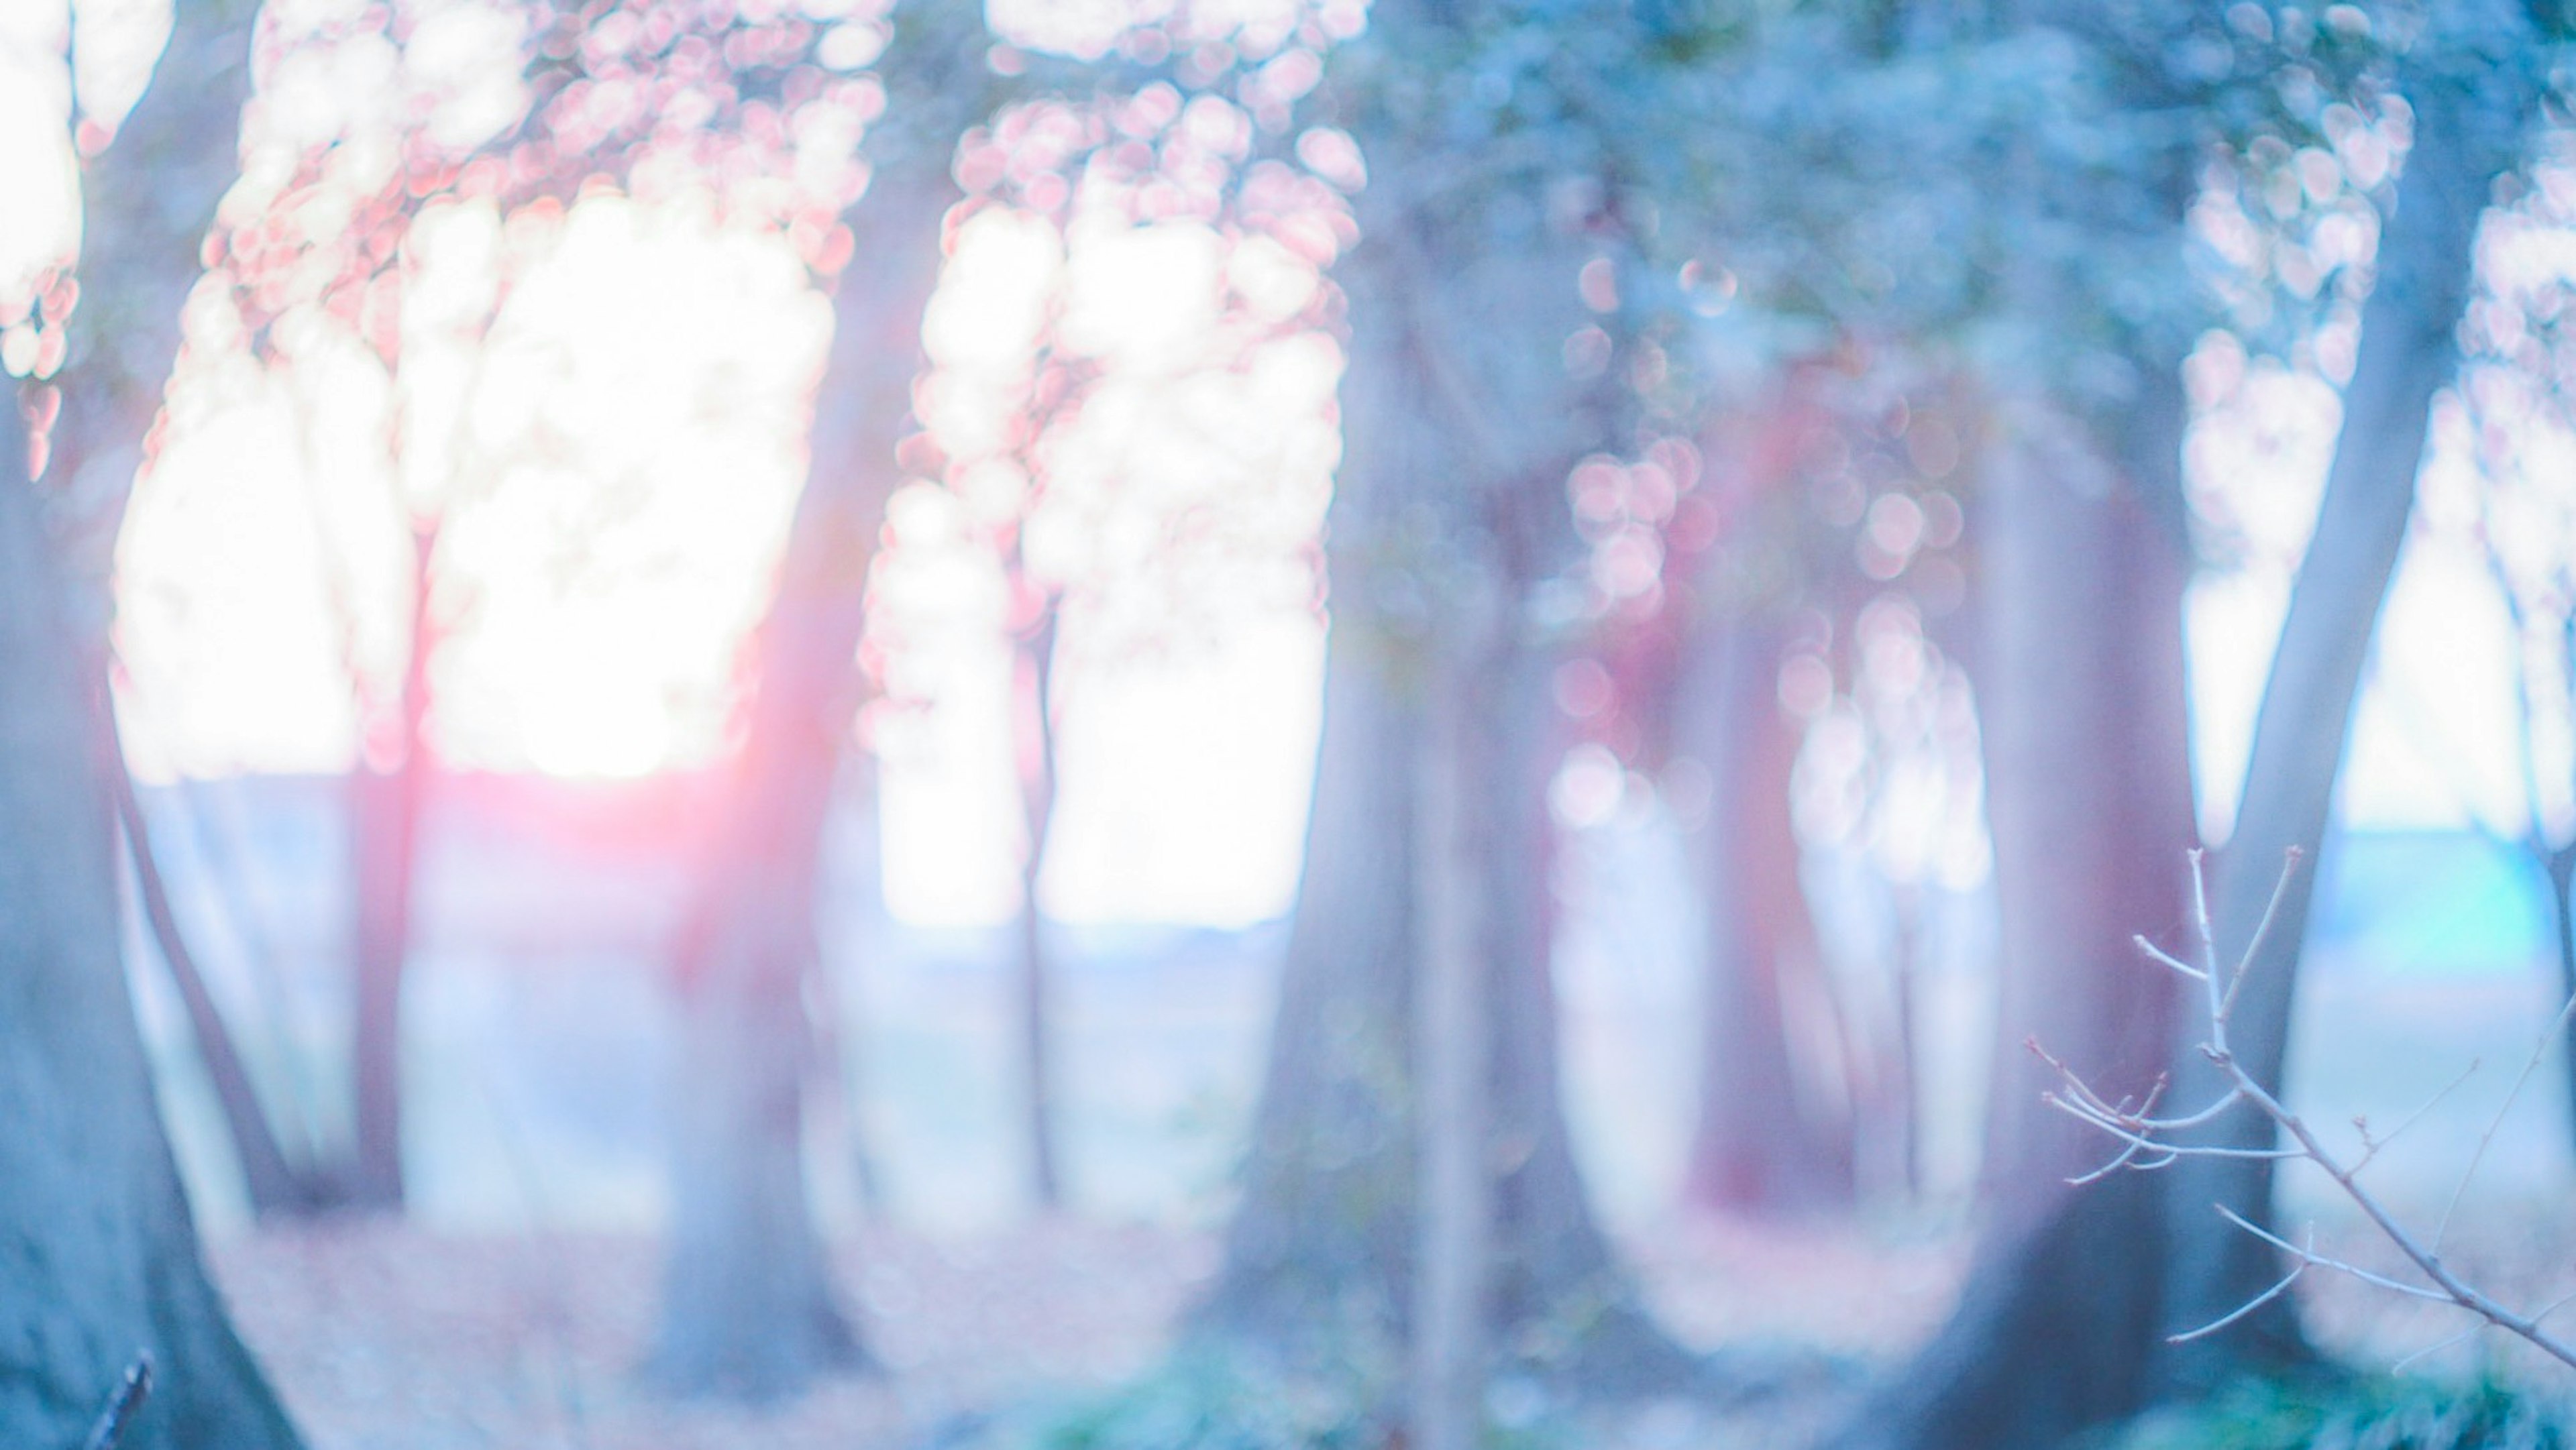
(385, 1337)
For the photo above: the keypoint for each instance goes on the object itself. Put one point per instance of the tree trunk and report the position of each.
(146, 204)
(1035, 673)
(1763, 1143)
(98, 1258)
(1459, 427)
(2463, 140)
(2559, 870)
(1563, 1306)
(384, 827)
(1317, 1259)
(2089, 801)
(274, 1187)
(749, 1308)
(1455, 1227)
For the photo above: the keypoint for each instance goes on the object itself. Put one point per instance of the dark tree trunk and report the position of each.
(275, 1188)
(1035, 671)
(146, 203)
(384, 829)
(2089, 801)
(1763, 1143)
(749, 1309)
(2463, 140)
(98, 1258)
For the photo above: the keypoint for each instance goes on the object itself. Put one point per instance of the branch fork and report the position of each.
(2147, 1142)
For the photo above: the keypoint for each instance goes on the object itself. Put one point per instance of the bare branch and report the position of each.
(2311, 1256)
(2209, 973)
(2147, 1142)
(2370, 1146)
(2157, 953)
(123, 1403)
(2443, 1343)
(2557, 1030)
(2248, 1307)
(2262, 932)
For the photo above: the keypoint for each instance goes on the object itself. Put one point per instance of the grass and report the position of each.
(2368, 1412)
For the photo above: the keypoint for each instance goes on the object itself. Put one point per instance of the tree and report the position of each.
(2064, 1319)
(2082, 557)
(325, 256)
(103, 1265)
(275, 1185)
(2517, 376)
(1763, 1140)
(2089, 805)
(1427, 849)
(748, 1306)
(2472, 83)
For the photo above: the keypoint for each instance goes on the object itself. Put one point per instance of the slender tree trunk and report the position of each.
(1036, 706)
(749, 1309)
(2089, 801)
(864, 869)
(1455, 1226)
(275, 1188)
(1763, 1143)
(1904, 1058)
(101, 1263)
(385, 825)
(2559, 868)
(2463, 140)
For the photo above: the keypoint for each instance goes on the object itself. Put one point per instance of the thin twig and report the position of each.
(2248, 1307)
(2147, 1143)
(2370, 1146)
(122, 1404)
(2158, 953)
(2557, 1030)
(2311, 1256)
(2262, 929)
(2445, 1342)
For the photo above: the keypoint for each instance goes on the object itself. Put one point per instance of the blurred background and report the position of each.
(699, 551)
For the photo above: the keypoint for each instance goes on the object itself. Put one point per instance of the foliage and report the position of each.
(2366, 1412)
(1216, 1400)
